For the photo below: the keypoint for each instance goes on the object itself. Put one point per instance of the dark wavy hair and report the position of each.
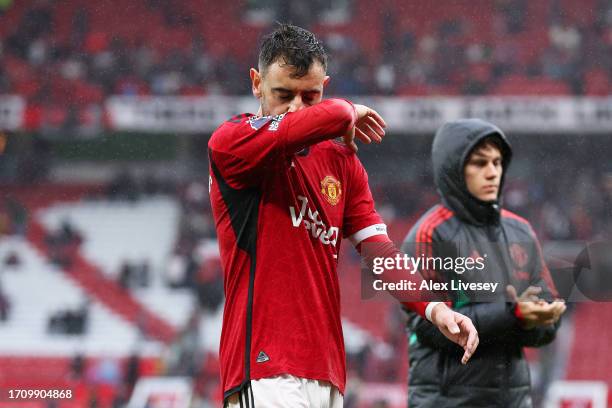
(296, 47)
(491, 140)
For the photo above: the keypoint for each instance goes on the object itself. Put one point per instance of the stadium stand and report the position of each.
(103, 283)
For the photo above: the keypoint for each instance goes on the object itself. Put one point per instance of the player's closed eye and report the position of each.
(479, 163)
(483, 163)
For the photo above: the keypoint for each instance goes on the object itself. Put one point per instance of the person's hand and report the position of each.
(541, 313)
(534, 311)
(368, 127)
(529, 295)
(457, 328)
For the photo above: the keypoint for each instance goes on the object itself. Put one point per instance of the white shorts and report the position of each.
(285, 391)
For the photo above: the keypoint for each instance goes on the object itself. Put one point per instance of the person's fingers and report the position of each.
(375, 125)
(472, 339)
(367, 129)
(371, 133)
(545, 312)
(533, 298)
(559, 308)
(377, 117)
(457, 328)
(378, 130)
(361, 135)
(450, 324)
(543, 309)
(533, 290)
(531, 293)
(558, 305)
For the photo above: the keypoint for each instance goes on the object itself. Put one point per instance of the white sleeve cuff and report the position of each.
(367, 232)
(429, 309)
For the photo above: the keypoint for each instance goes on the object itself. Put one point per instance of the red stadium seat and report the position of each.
(597, 83)
(518, 85)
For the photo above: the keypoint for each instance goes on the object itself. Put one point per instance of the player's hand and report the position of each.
(368, 127)
(457, 328)
(541, 313)
(535, 311)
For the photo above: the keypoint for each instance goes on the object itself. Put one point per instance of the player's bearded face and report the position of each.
(280, 91)
(483, 171)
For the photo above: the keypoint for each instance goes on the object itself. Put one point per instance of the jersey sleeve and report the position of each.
(243, 149)
(361, 220)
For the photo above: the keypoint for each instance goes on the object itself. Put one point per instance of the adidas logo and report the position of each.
(262, 357)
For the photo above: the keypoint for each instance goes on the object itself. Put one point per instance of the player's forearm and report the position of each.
(381, 246)
(326, 120)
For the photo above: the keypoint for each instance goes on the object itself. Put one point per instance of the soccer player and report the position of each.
(284, 194)
(470, 158)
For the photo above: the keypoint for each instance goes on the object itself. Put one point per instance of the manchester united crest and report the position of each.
(519, 255)
(331, 189)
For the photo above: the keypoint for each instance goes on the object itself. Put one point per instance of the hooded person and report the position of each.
(468, 239)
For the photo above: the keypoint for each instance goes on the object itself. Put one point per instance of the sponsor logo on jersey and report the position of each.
(257, 122)
(331, 189)
(312, 222)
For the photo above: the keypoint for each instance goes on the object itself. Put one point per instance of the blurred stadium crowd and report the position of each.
(66, 58)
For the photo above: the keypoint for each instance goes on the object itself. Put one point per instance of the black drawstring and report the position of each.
(249, 401)
(252, 397)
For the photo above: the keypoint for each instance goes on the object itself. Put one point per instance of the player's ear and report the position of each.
(326, 80)
(255, 82)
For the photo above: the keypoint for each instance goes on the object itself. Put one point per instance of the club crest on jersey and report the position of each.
(331, 189)
(519, 255)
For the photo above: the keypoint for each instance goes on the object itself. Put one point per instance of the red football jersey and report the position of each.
(284, 196)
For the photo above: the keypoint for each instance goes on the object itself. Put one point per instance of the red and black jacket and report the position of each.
(463, 226)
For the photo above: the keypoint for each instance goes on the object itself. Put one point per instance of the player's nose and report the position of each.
(491, 171)
(296, 104)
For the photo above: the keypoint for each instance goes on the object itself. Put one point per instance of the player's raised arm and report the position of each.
(246, 144)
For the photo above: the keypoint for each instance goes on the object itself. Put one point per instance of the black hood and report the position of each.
(451, 146)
